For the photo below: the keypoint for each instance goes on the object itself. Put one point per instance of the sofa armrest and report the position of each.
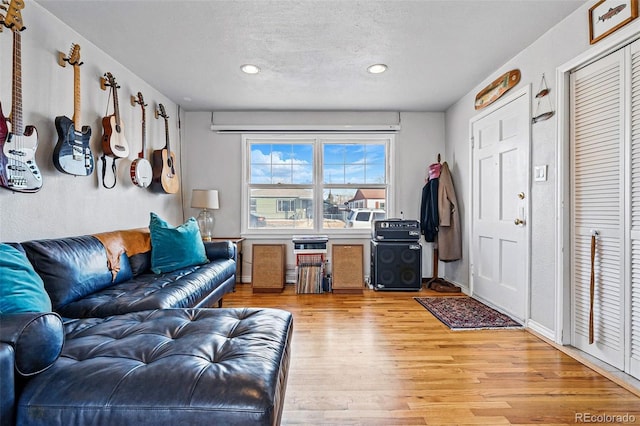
(36, 339)
(7, 388)
(220, 250)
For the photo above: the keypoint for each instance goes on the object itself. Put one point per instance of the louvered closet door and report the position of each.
(634, 361)
(597, 205)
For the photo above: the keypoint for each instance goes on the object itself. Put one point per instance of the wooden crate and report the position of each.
(268, 268)
(347, 268)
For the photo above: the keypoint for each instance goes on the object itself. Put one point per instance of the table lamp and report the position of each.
(207, 200)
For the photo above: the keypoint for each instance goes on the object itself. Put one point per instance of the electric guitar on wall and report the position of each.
(3, 135)
(20, 172)
(114, 143)
(3, 158)
(140, 170)
(72, 153)
(164, 172)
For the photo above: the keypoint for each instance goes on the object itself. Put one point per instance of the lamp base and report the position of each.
(206, 223)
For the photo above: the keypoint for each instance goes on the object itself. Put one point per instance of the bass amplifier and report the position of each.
(396, 265)
(395, 230)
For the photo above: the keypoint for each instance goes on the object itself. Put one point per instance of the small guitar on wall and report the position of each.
(72, 153)
(20, 172)
(164, 171)
(114, 143)
(140, 170)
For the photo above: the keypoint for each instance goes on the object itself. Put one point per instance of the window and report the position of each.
(286, 205)
(315, 182)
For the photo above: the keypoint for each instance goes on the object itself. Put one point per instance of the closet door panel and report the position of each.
(634, 352)
(597, 205)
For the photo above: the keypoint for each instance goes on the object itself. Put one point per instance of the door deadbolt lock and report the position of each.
(519, 222)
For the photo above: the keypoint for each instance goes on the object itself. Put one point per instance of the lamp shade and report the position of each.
(205, 199)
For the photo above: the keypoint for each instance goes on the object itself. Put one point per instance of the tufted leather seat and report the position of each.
(192, 286)
(80, 284)
(170, 366)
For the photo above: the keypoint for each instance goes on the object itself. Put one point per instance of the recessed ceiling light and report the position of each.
(250, 69)
(377, 68)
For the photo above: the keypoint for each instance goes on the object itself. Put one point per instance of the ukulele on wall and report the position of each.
(72, 153)
(140, 170)
(164, 171)
(19, 172)
(114, 143)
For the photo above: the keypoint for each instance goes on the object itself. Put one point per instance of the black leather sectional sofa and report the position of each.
(128, 346)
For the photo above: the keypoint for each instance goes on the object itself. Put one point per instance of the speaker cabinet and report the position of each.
(348, 268)
(268, 268)
(396, 265)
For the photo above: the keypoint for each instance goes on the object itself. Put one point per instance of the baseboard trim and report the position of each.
(540, 329)
(618, 377)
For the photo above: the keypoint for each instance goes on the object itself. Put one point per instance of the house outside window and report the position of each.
(312, 183)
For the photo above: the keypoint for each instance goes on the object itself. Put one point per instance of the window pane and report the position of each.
(284, 163)
(352, 208)
(354, 174)
(281, 174)
(375, 154)
(281, 208)
(374, 173)
(354, 163)
(261, 173)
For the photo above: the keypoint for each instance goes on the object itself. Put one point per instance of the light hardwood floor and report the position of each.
(380, 358)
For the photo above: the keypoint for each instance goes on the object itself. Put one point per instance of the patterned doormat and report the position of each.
(466, 313)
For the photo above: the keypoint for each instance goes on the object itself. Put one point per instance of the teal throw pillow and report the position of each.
(175, 247)
(21, 288)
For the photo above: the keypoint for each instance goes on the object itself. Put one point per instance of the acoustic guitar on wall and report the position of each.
(19, 173)
(114, 143)
(165, 177)
(140, 169)
(72, 153)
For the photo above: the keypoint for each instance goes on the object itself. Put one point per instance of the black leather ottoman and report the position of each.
(173, 366)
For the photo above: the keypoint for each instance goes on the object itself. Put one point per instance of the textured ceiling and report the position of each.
(313, 53)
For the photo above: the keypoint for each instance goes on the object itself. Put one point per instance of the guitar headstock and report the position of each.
(160, 112)
(108, 80)
(74, 55)
(2, 16)
(13, 17)
(138, 100)
(73, 58)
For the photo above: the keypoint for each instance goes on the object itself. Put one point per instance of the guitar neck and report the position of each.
(166, 135)
(116, 109)
(144, 133)
(76, 97)
(17, 126)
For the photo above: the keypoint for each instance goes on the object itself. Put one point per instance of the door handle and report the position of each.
(518, 222)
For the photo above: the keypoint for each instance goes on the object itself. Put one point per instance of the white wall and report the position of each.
(568, 39)
(214, 161)
(68, 205)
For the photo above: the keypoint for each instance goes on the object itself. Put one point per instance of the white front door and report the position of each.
(500, 240)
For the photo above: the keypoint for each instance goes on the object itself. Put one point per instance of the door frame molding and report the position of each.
(562, 321)
(525, 91)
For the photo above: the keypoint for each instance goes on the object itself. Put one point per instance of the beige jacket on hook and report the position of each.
(449, 232)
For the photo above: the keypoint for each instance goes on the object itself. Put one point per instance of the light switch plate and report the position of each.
(540, 173)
